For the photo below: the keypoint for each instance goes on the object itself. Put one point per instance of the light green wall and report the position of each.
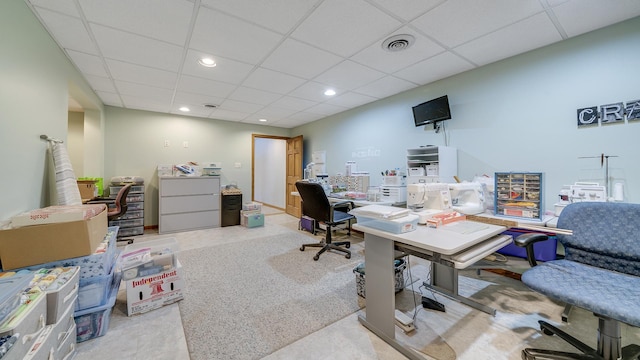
(35, 80)
(515, 115)
(135, 146)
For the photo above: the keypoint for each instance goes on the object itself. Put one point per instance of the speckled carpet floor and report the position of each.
(244, 300)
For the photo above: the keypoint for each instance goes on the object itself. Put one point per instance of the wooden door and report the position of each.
(294, 173)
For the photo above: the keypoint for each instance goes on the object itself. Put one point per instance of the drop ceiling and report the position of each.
(275, 58)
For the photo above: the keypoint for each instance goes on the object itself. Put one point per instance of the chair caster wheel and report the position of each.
(315, 258)
(348, 256)
(302, 248)
(546, 332)
(347, 245)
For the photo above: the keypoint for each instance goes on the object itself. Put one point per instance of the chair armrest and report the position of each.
(347, 204)
(526, 241)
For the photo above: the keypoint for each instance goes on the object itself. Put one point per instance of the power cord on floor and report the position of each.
(496, 257)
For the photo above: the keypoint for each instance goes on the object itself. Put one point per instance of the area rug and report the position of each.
(247, 299)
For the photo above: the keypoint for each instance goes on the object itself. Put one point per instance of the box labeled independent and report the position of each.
(154, 291)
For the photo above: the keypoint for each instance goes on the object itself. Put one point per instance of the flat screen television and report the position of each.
(432, 111)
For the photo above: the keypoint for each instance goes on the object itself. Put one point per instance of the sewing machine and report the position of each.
(467, 198)
(428, 199)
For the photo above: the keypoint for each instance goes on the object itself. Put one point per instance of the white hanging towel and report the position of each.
(66, 184)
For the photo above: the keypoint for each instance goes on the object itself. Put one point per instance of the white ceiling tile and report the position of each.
(348, 75)
(226, 70)
(273, 81)
(272, 113)
(100, 83)
(277, 15)
(298, 59)
(62, 6)
(109, 98)
(196, 85)
(119, 45)
(336, 24)
(312, 91)
(408, 9)
(304, 117)
(88, 64)
(391, 61)
(294, 103)
(224, 114)
(387, 86)
(197, 111)
(266, 50)
(134, 102)
(254, 96)
(515, 39)
(289, 123)
(240, 106)
(144, 91)
(350, 100)
(166, 20)
(458, 21)
(435, 68)
(196, 100)
(140, 74)
(68, 31)
(580, 16)
(212, 34)
(326, 109)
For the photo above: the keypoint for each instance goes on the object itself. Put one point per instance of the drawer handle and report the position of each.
(71, 294)
(29, 337)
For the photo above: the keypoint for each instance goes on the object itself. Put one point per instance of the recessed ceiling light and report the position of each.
(207, 61)
(185, 109)
(262, 120)
(329, 92)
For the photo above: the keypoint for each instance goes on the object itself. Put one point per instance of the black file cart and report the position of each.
(231, 207)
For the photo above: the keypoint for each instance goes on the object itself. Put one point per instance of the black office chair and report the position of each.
(120, 208)
(316, 205)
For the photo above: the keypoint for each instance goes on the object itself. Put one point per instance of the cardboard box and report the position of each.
(39, 244)
(154, 291)
(88, 189)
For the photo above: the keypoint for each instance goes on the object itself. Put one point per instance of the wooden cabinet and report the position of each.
(188, 203)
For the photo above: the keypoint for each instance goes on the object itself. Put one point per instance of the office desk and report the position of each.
(448, 248)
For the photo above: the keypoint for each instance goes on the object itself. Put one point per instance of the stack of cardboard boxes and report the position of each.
(251, 215)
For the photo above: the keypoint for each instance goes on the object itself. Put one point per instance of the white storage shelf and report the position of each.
(440, 163)
(188, 203)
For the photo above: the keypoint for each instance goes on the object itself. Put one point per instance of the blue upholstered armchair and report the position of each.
(600, 273)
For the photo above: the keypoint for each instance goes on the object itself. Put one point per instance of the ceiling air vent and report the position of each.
(398, 42)
(210, 106)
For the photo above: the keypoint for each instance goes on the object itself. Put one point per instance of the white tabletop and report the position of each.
(447, 240)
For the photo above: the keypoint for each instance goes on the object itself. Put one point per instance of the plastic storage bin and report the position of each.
(94, 291)
(251, 220)
(127, 223)
(94, 322)
(11, 288)
(399, 267)
(396, 226)
(136, 230)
